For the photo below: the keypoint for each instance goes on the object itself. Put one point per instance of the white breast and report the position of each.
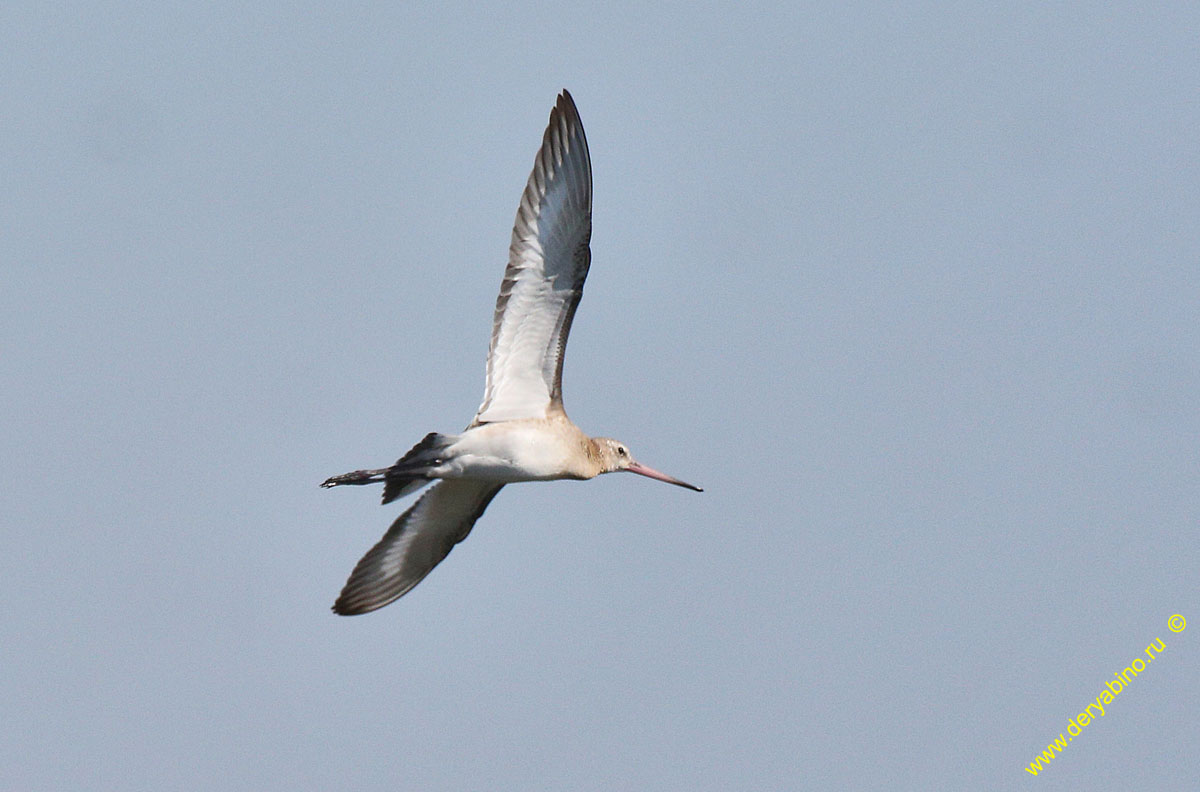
(514, 451)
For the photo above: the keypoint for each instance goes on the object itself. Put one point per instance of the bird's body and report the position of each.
(525, 449)
(521, 432)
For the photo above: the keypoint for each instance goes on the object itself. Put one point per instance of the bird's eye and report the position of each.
(621, 451)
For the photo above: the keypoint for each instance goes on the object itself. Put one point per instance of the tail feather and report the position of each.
(425, 454)
(409, 474)
(395, 487)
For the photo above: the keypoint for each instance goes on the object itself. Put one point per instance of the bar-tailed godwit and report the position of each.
(521, 432)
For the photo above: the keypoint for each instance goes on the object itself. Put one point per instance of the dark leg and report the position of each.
(357, 477)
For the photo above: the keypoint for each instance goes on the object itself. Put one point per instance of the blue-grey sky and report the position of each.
(911, 290)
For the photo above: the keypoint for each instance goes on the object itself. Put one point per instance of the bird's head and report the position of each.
(614, 455)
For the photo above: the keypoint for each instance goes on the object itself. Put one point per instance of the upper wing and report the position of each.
(547, 263)
(417, 542)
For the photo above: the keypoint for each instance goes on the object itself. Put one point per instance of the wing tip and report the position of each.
(565, 109)
(345, 608)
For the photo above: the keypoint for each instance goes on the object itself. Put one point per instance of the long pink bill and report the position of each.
(649, 472)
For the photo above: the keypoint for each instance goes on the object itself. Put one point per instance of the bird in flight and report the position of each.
(521, 432)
